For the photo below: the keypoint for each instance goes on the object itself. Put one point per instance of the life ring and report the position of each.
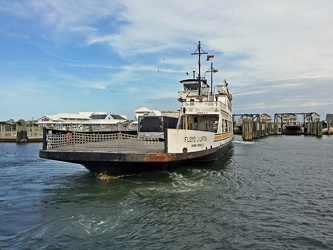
(69, 137)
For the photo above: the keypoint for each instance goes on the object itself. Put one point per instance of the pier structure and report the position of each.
(253, 126)
(33, 132)
(288, 123)
(20, 133)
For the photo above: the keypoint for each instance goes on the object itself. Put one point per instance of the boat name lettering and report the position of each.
(189, 139)
(202, 138)
(195, 139)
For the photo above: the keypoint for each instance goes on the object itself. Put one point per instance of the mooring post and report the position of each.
(328, 127)
(267, 125)
(263, 129)
(247, 130)
(266, 128)
(257, 129)
(308, 131)
(319, 129)
(254, 130)
(271, 128)
(314, 128)
(21, 136)
(276, 128)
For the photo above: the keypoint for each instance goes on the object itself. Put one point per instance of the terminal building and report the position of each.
(85, 121)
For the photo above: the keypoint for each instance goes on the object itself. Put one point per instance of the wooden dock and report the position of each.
(254, 126)
(21, 134)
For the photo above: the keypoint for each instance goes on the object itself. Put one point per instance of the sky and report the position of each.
(69, 56)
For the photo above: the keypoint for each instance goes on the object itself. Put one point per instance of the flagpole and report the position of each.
(211, 78)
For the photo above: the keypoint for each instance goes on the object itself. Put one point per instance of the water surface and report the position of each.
(273, 193)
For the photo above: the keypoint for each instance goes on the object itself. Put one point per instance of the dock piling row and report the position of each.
(253, 126)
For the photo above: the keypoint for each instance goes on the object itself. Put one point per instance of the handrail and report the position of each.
(205, 106)
(105, 140)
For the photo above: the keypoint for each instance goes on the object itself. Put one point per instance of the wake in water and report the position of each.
(181, 183)
(244, 142)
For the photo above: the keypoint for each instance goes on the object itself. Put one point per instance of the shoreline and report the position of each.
(31, 140)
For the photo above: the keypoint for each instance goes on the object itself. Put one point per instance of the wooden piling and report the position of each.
(276, 128)
(314, 128)
(266, 128)
(255, 130)
(263, 129)
(247, 130)
(270, 128)
(309, 128)
(319, 129)
(21, 136)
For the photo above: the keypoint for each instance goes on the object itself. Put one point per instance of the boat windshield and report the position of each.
(191, 86)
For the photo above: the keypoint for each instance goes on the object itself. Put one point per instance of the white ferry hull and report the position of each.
(123, 162)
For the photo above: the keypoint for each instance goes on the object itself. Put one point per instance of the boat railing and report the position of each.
(104, 140)
(195, 107)
(193, 92)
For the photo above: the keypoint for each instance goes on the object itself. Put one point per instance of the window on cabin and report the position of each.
(188, 87)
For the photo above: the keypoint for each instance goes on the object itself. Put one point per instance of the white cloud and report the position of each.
(279, 39)
(267, 50)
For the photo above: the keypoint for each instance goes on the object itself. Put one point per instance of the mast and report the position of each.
(199, 52)
(211, 70)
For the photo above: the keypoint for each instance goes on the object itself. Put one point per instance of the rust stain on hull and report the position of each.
(160, 158)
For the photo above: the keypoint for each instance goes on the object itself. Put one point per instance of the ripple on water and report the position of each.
(275, 193)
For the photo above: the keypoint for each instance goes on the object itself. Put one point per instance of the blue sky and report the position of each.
(67, 56)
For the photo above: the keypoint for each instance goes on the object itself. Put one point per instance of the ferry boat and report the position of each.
(204, 132)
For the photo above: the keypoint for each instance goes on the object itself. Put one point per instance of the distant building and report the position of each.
(149, 112)
(312, 117)
(290, 119)
(142, 112)
(155, 113)
(82, 121)
(265, 117)
(329, 117)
